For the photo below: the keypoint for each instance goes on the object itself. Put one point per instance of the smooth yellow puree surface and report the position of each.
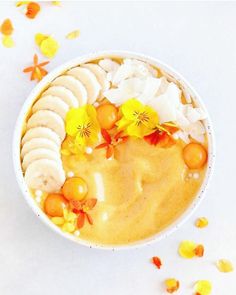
(140, 192)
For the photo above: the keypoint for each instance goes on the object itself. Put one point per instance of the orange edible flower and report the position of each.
(7, 27)
(201, 222)
(199, 251)
(159, 138)
(81, 208)
(157, 261)
(33, 9)
(110, 143)
(172, 285)
(37, 71)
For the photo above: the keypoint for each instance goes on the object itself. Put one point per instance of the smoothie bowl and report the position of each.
(113, 150)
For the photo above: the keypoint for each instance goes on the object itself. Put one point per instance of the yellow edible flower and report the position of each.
(82, 124)
(138, 120)
(73, 35)
(47, 44)
(203, 287)
(224, 265)
(201, 222)
(67, 222)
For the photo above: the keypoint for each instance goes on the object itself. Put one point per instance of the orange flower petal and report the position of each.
(30, 69)
(157, 261)
(33, 9)
(199, 251)
(89, 218)
(7, 27)
(110, 151)
(102, 145)
(80, 220)
(90, 203)
(106, 135)
(172, 285)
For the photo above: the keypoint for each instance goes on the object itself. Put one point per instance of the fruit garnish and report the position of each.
(137, 119)
(81, 208)
(203, 287)
(7, 27)
(224, 265)
(195, 155)
(157, 261)
(189, 249)
(82, 124)
(37, 71)
(201, 222)
(172, 285)
(107, 115)
(73, 35)
(75, 188)
(110, 143)
(32, 9)
(54, 205)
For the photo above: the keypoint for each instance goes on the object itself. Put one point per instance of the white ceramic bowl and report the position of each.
(45, 82)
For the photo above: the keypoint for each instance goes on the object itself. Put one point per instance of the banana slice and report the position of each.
(74, 86)
(89, 80)
(37, 143)
(38, 154)
(101, 76)
(46, 175)
(41, 132)
(51, 103)
(47, 119)
(65, 94)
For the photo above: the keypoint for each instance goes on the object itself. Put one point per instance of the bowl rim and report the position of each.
(86, 58)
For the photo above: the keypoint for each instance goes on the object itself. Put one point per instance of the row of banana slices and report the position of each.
(45, 129)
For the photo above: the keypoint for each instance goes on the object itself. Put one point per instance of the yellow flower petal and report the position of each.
(56, 3)
(39, 38)
(123, 123)
(58, 220)
(73, 35)
(137, 131)
(20, 3)
(224, 265)
(68, 227)
(187, 249)
(49, 47)
(71, 217)
(172, 285)
(130, 107)
(203, 287)
(201, 222)
(7, 41)
(82, 124)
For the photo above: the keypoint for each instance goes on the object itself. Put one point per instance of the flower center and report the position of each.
(84, 130)
(141, 117)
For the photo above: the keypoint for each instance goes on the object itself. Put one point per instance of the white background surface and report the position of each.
(199, 40)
